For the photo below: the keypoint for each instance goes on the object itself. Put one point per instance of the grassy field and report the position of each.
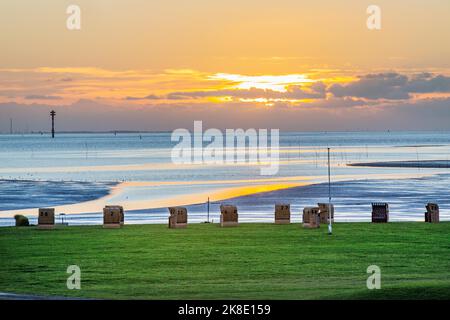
(252, 261)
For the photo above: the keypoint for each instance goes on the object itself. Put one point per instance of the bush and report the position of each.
(21, 221)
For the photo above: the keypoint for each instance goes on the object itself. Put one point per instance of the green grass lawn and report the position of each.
(252, 261)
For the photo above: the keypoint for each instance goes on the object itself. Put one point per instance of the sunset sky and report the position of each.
(288, 64)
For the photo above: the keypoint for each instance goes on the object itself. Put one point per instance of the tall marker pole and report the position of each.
(52, 114)
(330, 227)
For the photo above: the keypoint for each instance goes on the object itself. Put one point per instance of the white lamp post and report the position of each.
(330, 227)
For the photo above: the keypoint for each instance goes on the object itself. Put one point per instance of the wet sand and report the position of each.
(438, 164)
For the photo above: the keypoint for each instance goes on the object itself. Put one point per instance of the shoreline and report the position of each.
(256, 204)
(259, 187)
(97, 205)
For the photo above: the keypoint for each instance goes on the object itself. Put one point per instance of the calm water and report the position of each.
(105, 159)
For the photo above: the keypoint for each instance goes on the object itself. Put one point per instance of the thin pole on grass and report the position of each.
(208, 209)
(330, 227)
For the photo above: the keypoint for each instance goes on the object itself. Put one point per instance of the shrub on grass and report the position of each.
(21, 221)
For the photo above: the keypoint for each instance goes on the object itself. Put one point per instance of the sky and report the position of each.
(160, 65)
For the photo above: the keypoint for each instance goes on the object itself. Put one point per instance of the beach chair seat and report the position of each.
(178, 217)
(380, 213)
(46, 218)
(122, 213)
(113, 217)
(282, 213)
(432, 214)
(311, 217)
(324, 213)
(228, 216)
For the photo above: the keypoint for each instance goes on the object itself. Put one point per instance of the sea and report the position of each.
(79, 173)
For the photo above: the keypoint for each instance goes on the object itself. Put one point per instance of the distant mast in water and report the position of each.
(52, 114)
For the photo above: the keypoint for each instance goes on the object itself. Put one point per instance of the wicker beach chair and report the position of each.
(282, 213)
(178, 217)
(380, 213)
(228, 216)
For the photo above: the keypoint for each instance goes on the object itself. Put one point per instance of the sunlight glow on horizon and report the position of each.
(265, 82)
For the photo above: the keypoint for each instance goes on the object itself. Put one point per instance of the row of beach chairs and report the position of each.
(114, 216)
(380, 213)
(312, 216)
